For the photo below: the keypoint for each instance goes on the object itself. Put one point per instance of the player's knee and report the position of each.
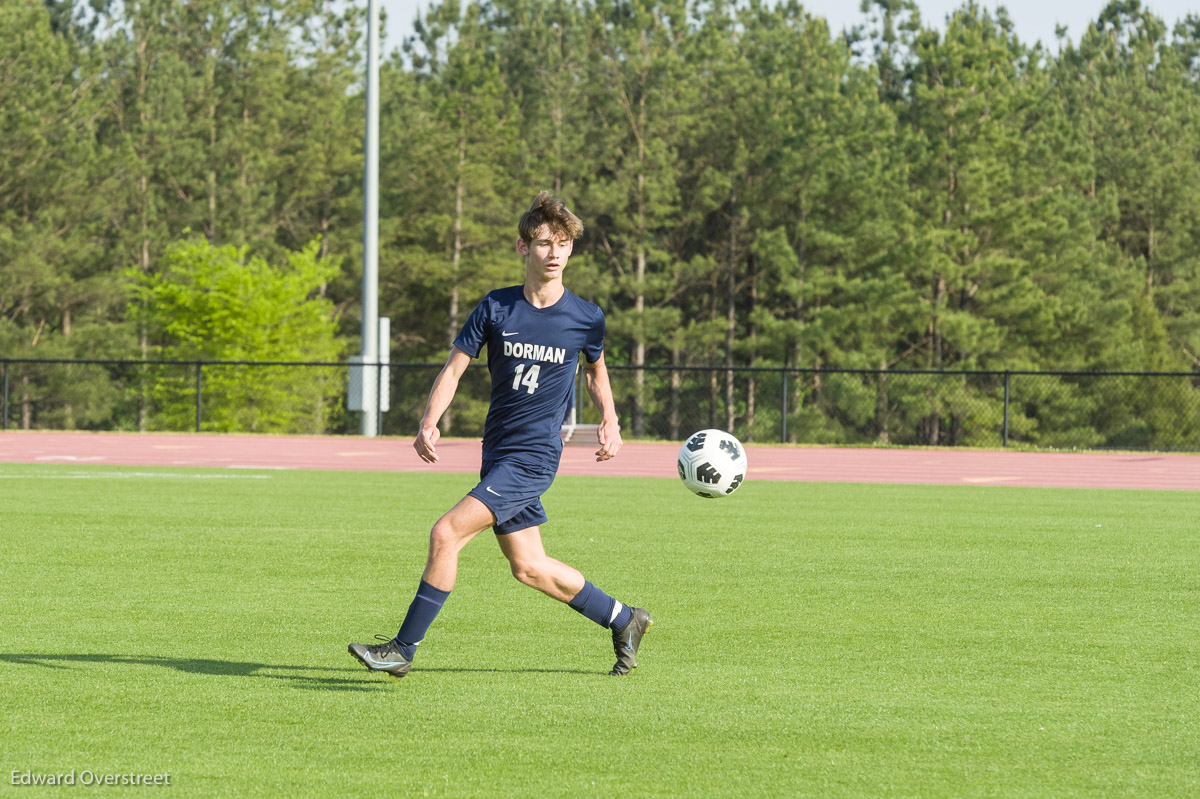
(443, 537)
(526, 571)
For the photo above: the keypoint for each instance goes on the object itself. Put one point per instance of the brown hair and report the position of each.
(550, 211)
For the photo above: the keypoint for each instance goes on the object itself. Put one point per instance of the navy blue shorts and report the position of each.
(513, 492)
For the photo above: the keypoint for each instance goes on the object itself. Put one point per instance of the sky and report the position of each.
(1034, 19)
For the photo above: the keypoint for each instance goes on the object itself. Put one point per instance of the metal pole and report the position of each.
(199, 387)
(577, 418)
(783, 382)
(370, 277)
(379, 389)
(399, 394)
(1006, 381)
(4, 411)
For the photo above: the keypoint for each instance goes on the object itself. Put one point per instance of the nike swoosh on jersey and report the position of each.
(490, 491)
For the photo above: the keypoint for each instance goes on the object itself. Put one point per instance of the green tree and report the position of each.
(1132, 97)
(1001, 226)
(828, 207)
(300, 104)
(1138, 99)
(212, 303)
(541, 52)
(57, 299)
(453, 202)
(642, 98)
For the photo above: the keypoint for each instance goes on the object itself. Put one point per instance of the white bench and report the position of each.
(579, 435)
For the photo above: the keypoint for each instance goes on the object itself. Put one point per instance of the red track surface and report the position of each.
(939, 466)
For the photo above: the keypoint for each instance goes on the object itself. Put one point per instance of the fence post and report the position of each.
(4, 409)
(399, 397)
(379, 396)
(199, 386)
(1007, 376)
(783, 392)
(577, 411)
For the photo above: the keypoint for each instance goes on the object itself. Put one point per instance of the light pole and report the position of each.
(370, 373)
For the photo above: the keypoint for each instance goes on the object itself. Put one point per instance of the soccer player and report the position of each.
(534, 334)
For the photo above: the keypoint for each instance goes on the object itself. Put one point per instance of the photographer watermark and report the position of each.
(89, 777)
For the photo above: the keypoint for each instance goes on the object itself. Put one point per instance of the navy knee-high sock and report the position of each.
(598, 606)
(421, 613)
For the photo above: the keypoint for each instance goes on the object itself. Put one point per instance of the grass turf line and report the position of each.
(810, 639)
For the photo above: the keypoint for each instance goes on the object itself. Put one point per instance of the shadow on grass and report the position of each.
(508, 671)
(297, 676)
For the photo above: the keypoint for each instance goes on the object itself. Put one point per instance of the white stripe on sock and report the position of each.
(617, 608)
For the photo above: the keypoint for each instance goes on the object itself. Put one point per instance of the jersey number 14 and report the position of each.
(530, 380)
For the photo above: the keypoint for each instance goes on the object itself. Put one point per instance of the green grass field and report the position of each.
(811, 640)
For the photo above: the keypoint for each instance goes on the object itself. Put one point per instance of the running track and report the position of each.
(820, 464)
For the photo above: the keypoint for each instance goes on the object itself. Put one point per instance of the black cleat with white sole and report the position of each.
(627, 640)
(383, 657)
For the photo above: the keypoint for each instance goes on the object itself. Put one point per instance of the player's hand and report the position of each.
(609, 436)
(424, 442)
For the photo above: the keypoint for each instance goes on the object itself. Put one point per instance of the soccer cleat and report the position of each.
(383, 657)
(627, 640)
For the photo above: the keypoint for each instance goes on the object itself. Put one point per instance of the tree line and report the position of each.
(756, 189)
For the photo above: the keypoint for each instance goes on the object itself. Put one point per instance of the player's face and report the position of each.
(547, 253)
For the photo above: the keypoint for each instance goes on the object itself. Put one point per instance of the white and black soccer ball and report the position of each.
(712, 463)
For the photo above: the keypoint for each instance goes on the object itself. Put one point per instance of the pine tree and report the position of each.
(460, 244)
(56, 297)
(639, 94)
(1148, 161)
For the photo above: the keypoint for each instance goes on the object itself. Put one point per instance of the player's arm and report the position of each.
(609, 432)
(444, 388)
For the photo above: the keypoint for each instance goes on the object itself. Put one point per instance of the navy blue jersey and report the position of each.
(532, 354)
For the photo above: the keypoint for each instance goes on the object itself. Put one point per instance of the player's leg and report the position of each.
(446, 539)
(449, 535)
(532, 566)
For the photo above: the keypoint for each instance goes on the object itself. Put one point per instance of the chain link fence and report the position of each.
(1061, 410)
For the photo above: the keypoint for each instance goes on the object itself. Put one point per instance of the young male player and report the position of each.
(534, 334)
